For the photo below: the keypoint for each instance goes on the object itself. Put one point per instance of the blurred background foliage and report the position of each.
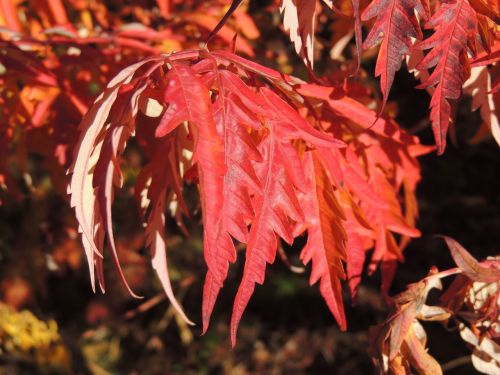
(52, 323)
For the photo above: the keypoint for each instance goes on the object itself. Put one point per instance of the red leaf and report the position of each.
(232, 121)
(326, 240)
(274, 207)
(455, 25)
(397, 21)
(188, 99)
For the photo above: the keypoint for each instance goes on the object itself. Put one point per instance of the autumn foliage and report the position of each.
(274, 158)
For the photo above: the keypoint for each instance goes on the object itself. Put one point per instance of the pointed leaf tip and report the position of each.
(469, 265)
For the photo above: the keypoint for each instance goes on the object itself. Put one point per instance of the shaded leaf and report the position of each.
(469, 265)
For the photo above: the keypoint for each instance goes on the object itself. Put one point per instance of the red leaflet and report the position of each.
(275, 209)
(326, 241)
(188, 100)
(397, 21)
(232, 121)
(455, 25)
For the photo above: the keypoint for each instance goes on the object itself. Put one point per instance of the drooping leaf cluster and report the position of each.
(273, 158)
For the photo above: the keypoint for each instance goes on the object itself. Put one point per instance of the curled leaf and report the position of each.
(469, 265)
